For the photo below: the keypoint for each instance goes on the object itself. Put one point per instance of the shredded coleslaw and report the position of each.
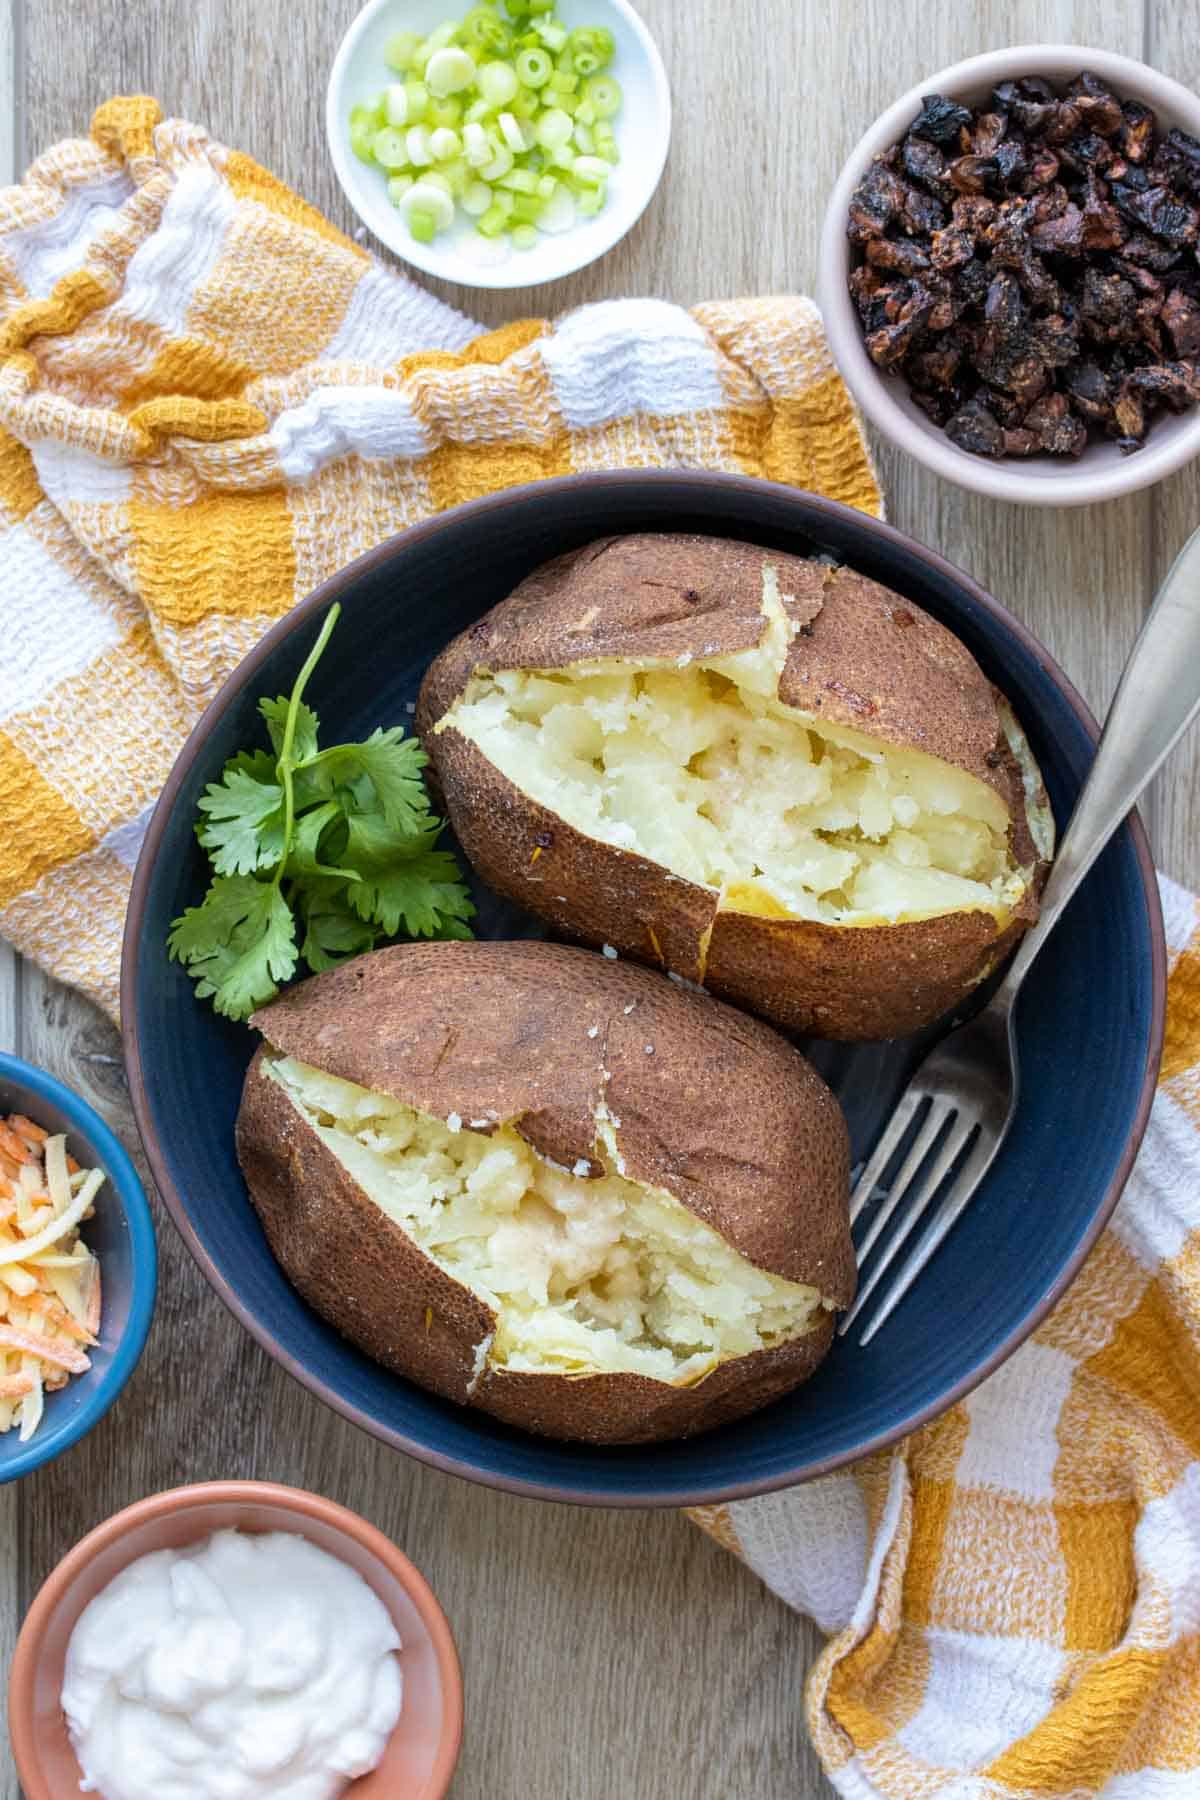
(49, 1279)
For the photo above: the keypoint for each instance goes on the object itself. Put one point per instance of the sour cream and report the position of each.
(239, 1668)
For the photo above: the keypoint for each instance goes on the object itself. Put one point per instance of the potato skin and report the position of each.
(863, 658)
(724, 1113)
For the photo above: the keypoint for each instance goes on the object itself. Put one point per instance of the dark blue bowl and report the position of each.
(1090, 1026)
(122, 1236)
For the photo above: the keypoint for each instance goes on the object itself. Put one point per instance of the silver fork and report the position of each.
(966, 1089)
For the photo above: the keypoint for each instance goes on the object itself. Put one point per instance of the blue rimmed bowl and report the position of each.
(121, 1234)
(1090, 1022)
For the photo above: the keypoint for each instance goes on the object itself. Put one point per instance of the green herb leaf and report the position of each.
(337, 844)
(333, 932)
(258, 763)
(238, 944)
(304, 857)
(390, 765)
(419, 888)
(304, 739)
(244, 822)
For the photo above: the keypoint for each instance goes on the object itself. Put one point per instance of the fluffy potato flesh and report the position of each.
(699, 767)
(584, 1275)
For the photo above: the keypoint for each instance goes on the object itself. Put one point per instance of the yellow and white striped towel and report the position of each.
(209, 401)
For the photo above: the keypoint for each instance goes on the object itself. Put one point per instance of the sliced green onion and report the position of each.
(390, 148)
(363, 127)
(500, 164)
(553, 128)
(448, 71)
(419, 146)
(558, 214)
(445, 144)
(484, 30)
(515, 116)
(430, 197)
(519, 181)
(398, 50)
(476, 198)
(604, 95)
(590, 170)
(458, 176)
(498, 83)
(534, 67)
(595, 43)
(553, 36)
(476, 146)
(513, 133)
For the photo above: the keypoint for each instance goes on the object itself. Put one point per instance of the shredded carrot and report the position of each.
(48, 1349)
(48, 1315)
(25, 1128)
(49, 1307)
(13, 1145)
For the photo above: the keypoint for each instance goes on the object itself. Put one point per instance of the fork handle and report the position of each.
(1156, 700)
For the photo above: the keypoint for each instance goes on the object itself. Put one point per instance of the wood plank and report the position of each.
(10, 1497)
(657, 1665)
(1173, 45)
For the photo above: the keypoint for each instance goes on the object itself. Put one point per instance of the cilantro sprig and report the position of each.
(316, 855)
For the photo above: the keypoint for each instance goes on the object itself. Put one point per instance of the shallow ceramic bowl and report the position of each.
(423, 1748)
(1102, 472)
(643, 130)
(1090, 1023)
(122, 1236)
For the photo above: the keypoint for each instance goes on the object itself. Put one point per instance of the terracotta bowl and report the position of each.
(423, 1749)
(1102, 472)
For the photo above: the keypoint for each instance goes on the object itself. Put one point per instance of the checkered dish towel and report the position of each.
(209, 402)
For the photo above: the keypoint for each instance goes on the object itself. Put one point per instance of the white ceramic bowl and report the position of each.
(643, 130)
(1102, 472)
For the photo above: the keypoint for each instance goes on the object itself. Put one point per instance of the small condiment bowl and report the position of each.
(643, 130)
(1102, 472)
(422, 1750)
(121, 1234)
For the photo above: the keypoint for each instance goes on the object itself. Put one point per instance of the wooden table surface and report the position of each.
(605, 1654)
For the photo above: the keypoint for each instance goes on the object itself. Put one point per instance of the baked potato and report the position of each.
(551, 1185)
(769, 776)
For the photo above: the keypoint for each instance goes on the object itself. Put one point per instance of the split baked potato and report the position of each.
(551, 1185)
(766, 775)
